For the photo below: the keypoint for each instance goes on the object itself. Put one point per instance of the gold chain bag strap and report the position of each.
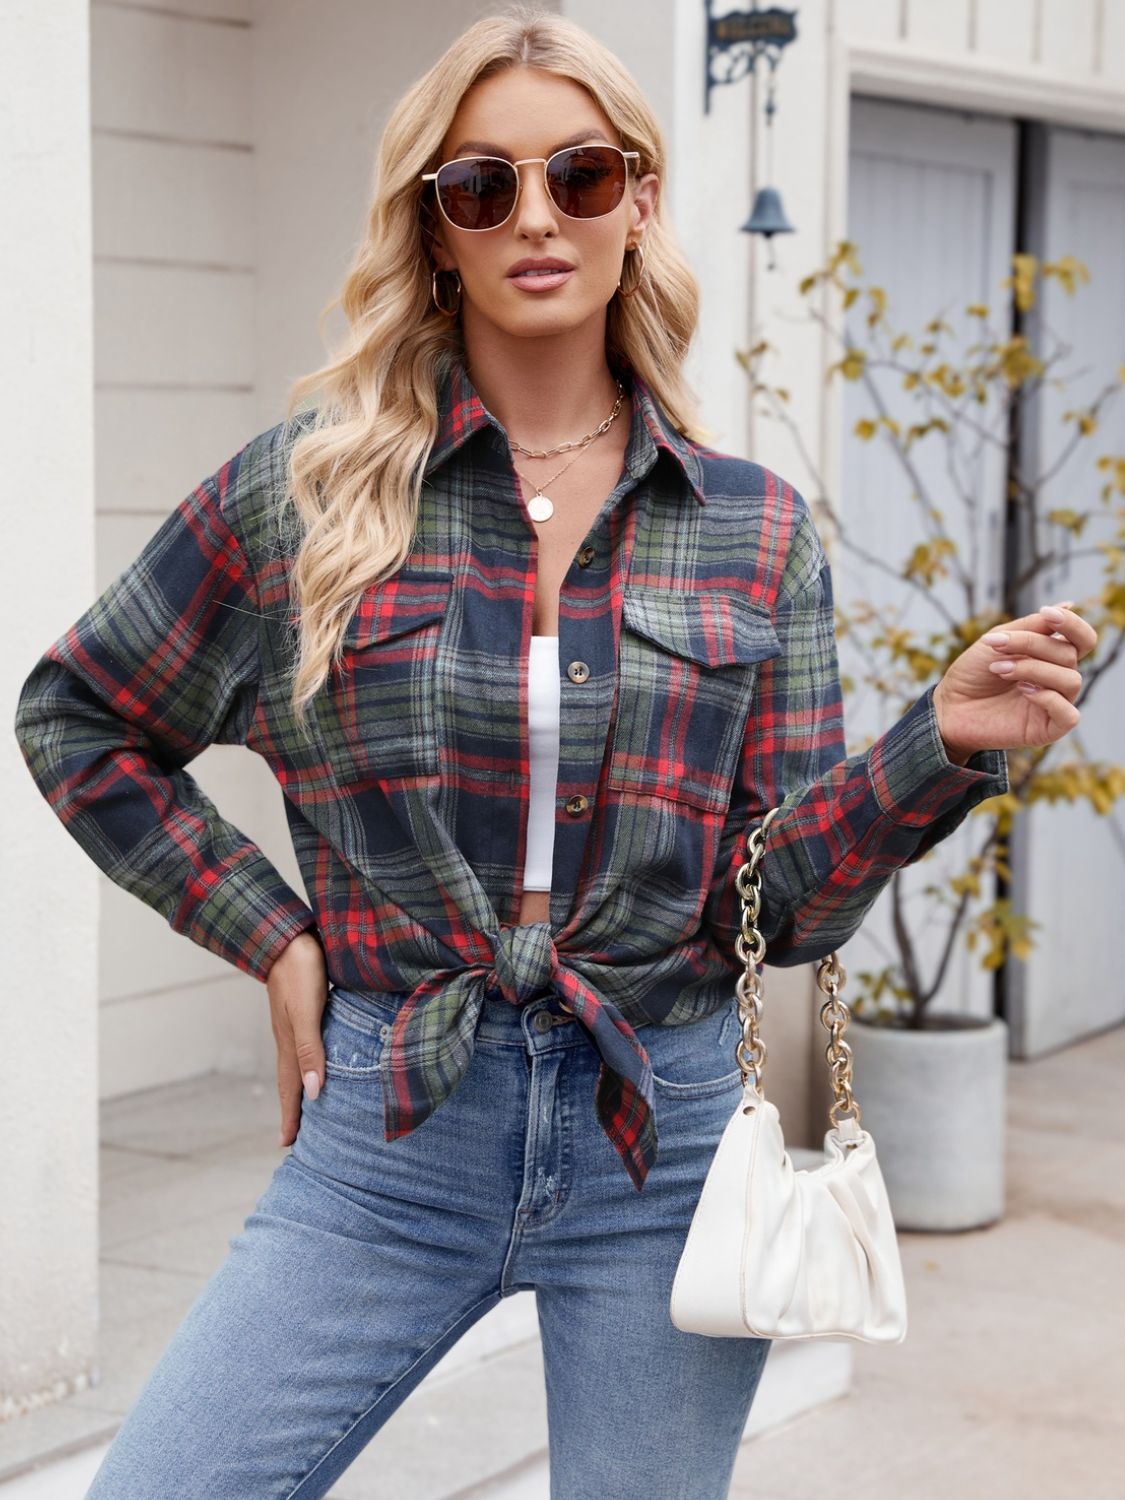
(773, 1252)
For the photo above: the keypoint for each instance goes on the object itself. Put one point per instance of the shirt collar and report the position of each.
(461, 413)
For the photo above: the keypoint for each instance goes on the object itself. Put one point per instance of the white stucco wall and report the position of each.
(48, 1104)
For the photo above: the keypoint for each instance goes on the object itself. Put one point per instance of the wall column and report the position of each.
(48, 1019)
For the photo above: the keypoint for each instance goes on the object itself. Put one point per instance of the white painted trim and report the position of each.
(904, 71)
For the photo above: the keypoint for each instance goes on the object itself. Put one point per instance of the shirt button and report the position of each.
(585, 556)
(578, 671)
(576, 804)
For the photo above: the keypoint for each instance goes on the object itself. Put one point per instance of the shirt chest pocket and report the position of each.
(381, 715)
(687, 665)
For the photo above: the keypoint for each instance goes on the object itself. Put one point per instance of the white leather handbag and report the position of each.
(777, 1253)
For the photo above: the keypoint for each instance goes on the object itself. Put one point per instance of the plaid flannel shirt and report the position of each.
(699, 688)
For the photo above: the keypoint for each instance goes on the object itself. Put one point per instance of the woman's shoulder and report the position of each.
(742, 493)
(263, 461)
(257, 480)
(242, 500)
(729, 476)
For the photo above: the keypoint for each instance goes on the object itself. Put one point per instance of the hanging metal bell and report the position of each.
(767, 216)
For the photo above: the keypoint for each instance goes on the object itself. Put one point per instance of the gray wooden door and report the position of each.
(931, 199)
(1069, 859)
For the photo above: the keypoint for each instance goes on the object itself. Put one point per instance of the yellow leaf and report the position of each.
(1117, 465)
(1073, 520)
(853, 364)
(1113, 600)
(1022, 281)
(1017, 363)
(1069, 271)
(1087, 422)
(866, 429)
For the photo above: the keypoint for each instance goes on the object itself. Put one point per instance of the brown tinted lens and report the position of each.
(587, 181)
(478, 192)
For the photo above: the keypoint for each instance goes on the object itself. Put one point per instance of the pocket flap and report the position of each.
(715, 629)
(406, 600)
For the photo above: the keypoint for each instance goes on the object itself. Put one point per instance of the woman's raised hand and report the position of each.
(298, 989)
(1016, 685)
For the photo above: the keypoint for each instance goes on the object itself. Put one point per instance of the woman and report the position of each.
(529, 662)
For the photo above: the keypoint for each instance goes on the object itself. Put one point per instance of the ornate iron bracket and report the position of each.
(735, 42)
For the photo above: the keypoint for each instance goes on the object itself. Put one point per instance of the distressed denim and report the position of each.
(365, 1260)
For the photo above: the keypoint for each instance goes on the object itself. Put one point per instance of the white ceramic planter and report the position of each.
(934, 1100)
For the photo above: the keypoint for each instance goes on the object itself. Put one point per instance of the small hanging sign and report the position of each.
(736, 40)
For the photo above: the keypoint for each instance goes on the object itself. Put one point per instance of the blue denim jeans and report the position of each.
(364, 1261)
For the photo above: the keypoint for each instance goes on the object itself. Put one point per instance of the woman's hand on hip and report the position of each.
(1001, 695)
(298, 989)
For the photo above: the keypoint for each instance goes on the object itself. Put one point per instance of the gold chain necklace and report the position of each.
(581, 442)
(540, 507)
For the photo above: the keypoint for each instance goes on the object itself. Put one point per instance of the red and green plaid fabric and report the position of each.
(700, 605)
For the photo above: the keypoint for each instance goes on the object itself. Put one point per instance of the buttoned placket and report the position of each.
(585, 636)
(590, 636)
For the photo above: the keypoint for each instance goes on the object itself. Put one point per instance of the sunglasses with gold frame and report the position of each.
(571, 177)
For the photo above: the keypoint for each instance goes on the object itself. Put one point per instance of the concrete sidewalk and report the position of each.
(1009, 1383)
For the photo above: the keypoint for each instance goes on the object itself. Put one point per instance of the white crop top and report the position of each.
(544, 692)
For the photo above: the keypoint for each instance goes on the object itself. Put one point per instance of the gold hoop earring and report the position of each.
(450, 312)
(636, 286)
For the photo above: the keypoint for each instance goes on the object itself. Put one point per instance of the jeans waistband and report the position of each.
(497, 1014)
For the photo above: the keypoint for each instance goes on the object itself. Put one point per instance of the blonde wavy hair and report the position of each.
(355, 473)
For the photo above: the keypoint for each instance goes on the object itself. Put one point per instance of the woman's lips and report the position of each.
(530, 281)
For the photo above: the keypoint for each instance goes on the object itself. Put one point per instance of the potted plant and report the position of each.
(930, 1077)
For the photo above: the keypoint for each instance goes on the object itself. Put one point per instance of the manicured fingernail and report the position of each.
(1052, 611)
(312, 1084)
(996, 638)
(1001, 667)
(1027, 687)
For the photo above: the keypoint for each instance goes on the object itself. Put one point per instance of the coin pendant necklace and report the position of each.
(541, 507)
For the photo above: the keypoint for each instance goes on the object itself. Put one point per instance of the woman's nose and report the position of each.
(534, 206)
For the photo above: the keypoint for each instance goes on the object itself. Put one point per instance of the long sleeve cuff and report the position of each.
(915, 782)
(248, 916)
